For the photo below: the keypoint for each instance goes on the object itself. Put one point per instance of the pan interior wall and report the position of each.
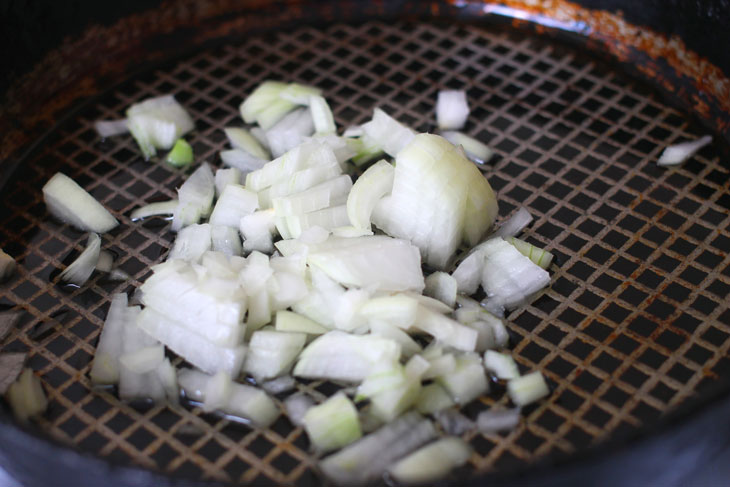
(636, 320)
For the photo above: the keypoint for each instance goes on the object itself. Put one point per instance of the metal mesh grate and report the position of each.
(635, 322)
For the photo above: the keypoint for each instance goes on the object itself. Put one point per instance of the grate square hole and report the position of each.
(560, 366)
(634, 377)
(570, 400)
(141, 438)
(72, 426)
(663, 392)
(212, 450)
(645, 412)
(615, 313)
(597, 416)
(285, 463)
(606, 362)
(616, 397)
(680, 373)
(624, 344)
(534, 352)
(579, 348)
(652, 358)
(578, 437)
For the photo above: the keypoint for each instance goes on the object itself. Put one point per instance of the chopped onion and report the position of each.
(195, 198)
(110, 128)
(373, 184)
(409, 346)
(363, 461)
(282, 384)
(332, 424)
(678, 153)
(441, 286)
(452, 109)
(71, 204)
(226, 240)
(527, 389)
(515, 224)
(192, 242)
(105, 262)
(431, 462)
(11, 365)
(105, 367)
(324, 121)
(26, 396)
(241, 160)
(496, 420)
(242, 139)
(181, 154)
(503, 366)
(234, 203)
(290, 131)
(475, 150)
(445, 330)
(453, 422)
(541, 257)
(297, 406)
(323, 195)
(7, 266)
(433, 398)
(257, 229)
(156, 123)
(467, 381)
(390, 135)
(265, 105)
(79, 271)
(224, 177)
(272, 353)
(143, 360)
(154, 209)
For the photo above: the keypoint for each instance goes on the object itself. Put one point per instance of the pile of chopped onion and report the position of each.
(283, 268)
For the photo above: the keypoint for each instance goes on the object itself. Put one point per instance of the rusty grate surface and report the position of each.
(636, 320)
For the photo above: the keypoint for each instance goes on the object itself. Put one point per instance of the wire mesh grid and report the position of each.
(635, 322)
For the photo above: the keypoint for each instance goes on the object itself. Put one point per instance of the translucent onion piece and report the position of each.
(71, 204)
(241, 160)
(390, 135)
(515, 224)
(79, 271)
(324, 121)
(496, 420)
(161, 208)
(224, 177)
(26, 396)
(332, 424)
(452, 110)
(373, 184)
(181, 154)
(527, 389)
(678, 153)
(110, 128)
(475, 150)
(431, 462)
(242, 139)
(156, 123)
(297, 406)
(11, 365)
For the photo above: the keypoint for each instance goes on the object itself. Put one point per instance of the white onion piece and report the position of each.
(327, 218)
(445, 330)
(431, 462)
(299, 93)
(105, 262)
(283, 166)
(475, 150)
(192, 242)
(260, 135)
(282, 384)
(297, 406)
(502, 365)
(71, 204)
(154, 209)
(441, 286)
(527, 389)
(290, 131)
(373, 184)
(364, 461)
(195, 198)
(234, 203)
(398, 309)
(467, 381)
(341, 356)
(257, 229)
(79, 271)
(496, 420)
(156, 123)
(244, 140)
(192, 347)
(408, 346)
(387, 132)
(226, 240)
(7, 266)
(265, 105)
(11, 365)
(26, 396)
(143, 360)
(110, 128)
(294, 322)
(241, 160)
(323, 195)
(453, 422)
(224, 177)
(105, 367)
(452, 110)
(167, 375)
(324, 121)
(678, 153)
(135, 385)
(433, 398)
(353, 131)
(272, 353)
(332, 424)
(299, 181)
(340, 147)
(515, 224)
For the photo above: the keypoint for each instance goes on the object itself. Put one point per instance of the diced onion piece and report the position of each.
(373, 184)
(225, 239)
(265, 106)
(26, 396)
(363, 461)
(366, 149)
(234, 203)
(156, 123)
(167, 375)
(468, 381)
(105, 367)
(132, 384)
(384, 329)
(224, 177)
(232, 398)
(143, 360)
(323, 195)
(272, 353)
(433, 398)
(195, 198)
(326, 218)
(7, 266)
(387, 132)
(71, 204)
(468, 274)
(441, 286)
(515, 224)
(496, 420)
(242, 139)
(299, 93)
(11, 365)
(475, 150)
(110, 128)
(431, 462)
(340, 356)
(453, 422)
(439, 199)
(379, 262)
(217, 392)
(290, 131)
(282, 384)
(332, 424)
(283, 167)
(678, 153)
(324, 121)
(502, 365)
(296, 407)
(445, 330)
(257, 229)
(300, 181)
(79, 271)
(192, 242)
(241, 160)
(508, 277)
(527, 389)
(159, 208)
(452, 110)
(398, 310)
(181, 154)
(438, 366)
(294, 322)
(192, 347)
(541, 257)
